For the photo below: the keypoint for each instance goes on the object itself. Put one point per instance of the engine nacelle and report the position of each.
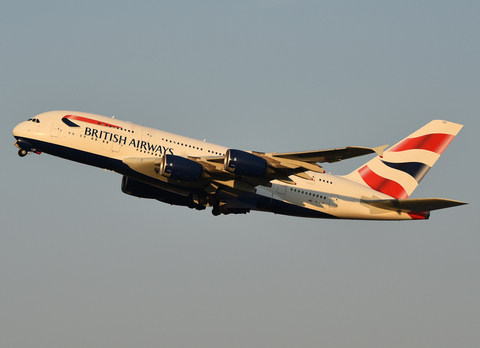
(244, 163)
(139, 189)
(142, 190)
(180, 168)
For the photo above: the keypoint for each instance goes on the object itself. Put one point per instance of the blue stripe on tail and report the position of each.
(414, 169)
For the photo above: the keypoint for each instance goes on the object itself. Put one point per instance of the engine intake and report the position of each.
(244, 163)
(180, 168)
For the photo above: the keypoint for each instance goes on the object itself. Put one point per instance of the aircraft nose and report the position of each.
(16, 130)
(19, 130)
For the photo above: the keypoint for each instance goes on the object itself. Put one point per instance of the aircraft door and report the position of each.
(146, 134)
(312, 180)
(55, 130)
(281, 189)
(115, 147)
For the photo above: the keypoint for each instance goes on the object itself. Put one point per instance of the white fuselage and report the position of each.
(98, 140)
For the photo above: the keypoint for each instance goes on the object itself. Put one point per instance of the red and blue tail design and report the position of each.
(404, 165)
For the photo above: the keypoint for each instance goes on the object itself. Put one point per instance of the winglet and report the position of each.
(379, 150)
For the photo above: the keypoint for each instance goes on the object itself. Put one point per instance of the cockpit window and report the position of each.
(30, 119)
(37, 120)
(34, 120)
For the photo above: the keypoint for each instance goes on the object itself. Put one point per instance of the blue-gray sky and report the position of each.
(82, 264)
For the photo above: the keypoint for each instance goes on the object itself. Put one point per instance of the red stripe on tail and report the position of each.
(418, 216)
(381, 184)
(436, 142)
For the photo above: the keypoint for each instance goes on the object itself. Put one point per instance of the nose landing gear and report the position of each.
(24, 148)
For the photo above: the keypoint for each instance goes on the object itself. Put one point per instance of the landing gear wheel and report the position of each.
(22, 152)
(216, 210)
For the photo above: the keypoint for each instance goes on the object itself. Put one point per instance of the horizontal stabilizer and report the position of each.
(413, 204)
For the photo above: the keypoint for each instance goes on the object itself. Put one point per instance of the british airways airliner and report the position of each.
(183, 171)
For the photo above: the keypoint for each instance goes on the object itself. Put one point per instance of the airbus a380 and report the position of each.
(183, 171)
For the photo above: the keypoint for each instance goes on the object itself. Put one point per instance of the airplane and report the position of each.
(183, 171)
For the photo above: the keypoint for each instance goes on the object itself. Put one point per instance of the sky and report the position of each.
(84, 265)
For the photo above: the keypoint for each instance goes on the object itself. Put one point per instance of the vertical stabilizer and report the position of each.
(401, 168)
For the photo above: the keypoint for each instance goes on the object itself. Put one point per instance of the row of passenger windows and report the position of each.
(153, 153)
(182, 144)
(308, 193)
(190, 146)
(112, 126)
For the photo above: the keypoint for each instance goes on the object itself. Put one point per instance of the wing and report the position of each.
(329, 156)
(296, 163)
(238, 171)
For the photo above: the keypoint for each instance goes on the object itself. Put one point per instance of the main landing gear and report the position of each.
(221, 208)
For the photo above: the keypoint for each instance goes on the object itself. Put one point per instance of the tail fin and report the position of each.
(404, 165)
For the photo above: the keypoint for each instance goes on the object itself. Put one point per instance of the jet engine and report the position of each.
(139, 189)
(244, 163)
(180, 168)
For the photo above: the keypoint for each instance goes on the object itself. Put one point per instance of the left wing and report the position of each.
(296, 163)
(240, 171)
(330, 156)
